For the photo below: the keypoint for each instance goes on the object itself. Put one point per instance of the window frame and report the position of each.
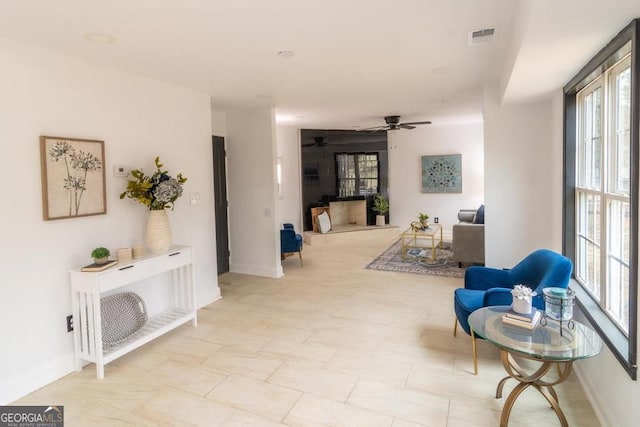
(623, 346)
(357, 176)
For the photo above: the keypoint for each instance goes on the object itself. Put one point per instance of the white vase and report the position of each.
(380, 220)
(158, 232)
(521, 306)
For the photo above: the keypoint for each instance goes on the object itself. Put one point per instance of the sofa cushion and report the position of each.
(479, 218)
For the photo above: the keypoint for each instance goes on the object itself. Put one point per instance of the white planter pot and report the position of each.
(380, 220)
(158, 232)
(521, 306)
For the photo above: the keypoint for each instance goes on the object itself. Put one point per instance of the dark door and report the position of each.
(220, 196)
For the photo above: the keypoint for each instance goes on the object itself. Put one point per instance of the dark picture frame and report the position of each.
(73, 177)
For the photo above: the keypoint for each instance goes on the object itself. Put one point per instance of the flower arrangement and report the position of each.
(522, 292)
(158, 191)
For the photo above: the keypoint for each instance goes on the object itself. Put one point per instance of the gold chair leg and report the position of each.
(300, 253)
(475, 353)
(455, 327)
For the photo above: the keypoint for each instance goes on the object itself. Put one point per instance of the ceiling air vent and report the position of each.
(477, 37)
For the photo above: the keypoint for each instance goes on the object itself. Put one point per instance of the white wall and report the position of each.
(45, 93)
(254, 234)
(528, 138)
(405, 173)
(218, 122)
(523, 179)
(288, 142)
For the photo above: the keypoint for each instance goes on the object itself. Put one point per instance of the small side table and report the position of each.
(412, 239)
(543, 344)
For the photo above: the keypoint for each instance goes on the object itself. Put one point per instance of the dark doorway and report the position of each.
(221, 204)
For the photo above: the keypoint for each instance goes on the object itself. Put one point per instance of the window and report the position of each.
(601, 192)
(357, 174)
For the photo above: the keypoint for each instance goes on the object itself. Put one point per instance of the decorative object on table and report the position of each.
(138, 252)
(381, 206)
(424, 219)
(73, 179)
(92, 268)
(559, 304)
(442, 174)
(392, 260)
(158, 192)
(527, 321)
(100, 255)
(124, 254)
(122, 315)
(522, 299)
(416, 226)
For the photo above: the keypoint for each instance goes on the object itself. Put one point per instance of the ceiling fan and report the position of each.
(393, 123)
(318, 141)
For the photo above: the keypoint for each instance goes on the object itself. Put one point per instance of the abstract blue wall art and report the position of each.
(442, 174)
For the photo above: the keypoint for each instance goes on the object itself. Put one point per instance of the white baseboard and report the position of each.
(273, 272)
(208, 298)
(593, 398)
(27, 382)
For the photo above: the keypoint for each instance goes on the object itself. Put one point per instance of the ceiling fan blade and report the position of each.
(406, 126)
(373, 129)
(417, 123)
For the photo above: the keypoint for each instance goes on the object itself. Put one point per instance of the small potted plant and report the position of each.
(522, 296)
(100, 255)
(424, 219)
(381, 206)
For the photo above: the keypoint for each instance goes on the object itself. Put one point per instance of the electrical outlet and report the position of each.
(70, 323)
(436, 220)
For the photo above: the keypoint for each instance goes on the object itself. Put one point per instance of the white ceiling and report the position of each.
(355, 60)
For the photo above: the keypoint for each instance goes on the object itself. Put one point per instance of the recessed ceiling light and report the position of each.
(99, 38)
(286, 54)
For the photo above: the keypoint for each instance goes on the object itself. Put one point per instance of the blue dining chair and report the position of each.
(290, 242)
(485, 286)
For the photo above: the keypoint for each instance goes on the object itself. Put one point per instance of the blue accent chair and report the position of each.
(485, 286)
(290, 242)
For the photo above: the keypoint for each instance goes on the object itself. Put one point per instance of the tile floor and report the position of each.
(330, 344)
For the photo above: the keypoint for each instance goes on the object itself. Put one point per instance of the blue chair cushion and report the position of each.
(466, 301)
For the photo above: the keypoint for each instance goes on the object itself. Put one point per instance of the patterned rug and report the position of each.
(391, 260)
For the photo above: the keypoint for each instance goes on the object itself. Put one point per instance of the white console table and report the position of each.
(87, 288)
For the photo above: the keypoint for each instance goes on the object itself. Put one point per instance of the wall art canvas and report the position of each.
(73, 177)
(442, 174)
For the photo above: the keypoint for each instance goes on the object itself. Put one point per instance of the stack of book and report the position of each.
(527, 321)
(99, 267)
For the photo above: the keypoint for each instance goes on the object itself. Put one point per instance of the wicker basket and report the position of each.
(123, 315)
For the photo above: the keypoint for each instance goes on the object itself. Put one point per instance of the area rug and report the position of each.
(391, 260)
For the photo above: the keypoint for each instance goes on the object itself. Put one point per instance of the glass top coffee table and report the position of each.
(426, 238)
(547, 344)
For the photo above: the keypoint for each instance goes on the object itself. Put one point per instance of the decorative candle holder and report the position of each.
(559, 304)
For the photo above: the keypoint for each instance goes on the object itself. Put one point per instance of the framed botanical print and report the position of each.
(73, 177)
